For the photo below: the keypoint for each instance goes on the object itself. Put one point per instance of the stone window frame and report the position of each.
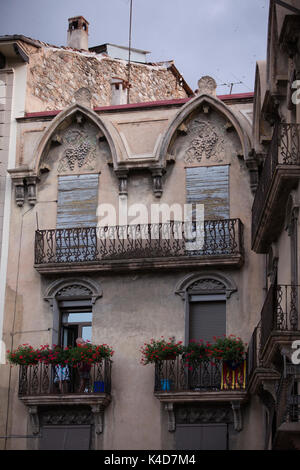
(81, 290)
(213, 284)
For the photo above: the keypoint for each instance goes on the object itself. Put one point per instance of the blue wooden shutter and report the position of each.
(77, 201)
(209, 186)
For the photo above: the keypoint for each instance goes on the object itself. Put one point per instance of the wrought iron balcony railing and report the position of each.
(47, 379)
(284, 151)
(208, 376)
(293, 409)
(165, 240)
(280, 311)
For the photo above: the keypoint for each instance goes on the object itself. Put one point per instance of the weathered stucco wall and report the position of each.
(137, 306)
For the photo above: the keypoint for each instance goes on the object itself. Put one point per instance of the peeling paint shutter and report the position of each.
(77, 201)
(209, 186)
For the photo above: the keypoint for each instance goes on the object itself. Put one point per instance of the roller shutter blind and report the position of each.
(65, 437)
(201, 437)
(77, 201)
(209, 186)
(206, 320)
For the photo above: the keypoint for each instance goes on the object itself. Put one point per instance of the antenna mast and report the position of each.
(129, 53)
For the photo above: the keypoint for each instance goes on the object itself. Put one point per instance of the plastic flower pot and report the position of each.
(99, 387)
(165, 385)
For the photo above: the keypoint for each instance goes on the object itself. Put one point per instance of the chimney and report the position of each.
(78, 33)
(119, 89)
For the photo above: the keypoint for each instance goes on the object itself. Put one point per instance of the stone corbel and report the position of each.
(19, 191)
(31, 187)
(157, 174)
(252, 166)
(169, 407)
(237, 416)
(98, 413)
(22, 177)
(34, 419)
(123, 182)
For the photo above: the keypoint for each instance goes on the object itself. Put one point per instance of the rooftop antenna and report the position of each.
(231, 85)
(129, 53)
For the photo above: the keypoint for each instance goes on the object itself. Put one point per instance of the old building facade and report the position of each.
(274, 375)
(73, 266)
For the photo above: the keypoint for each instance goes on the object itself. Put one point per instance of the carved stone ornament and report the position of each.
(237, 415)
(207, 285)
(204, 283)
(34, 419)
(24, 182)
(123, 182)
(83, 96)
(157, 182)
(19, 191)
(207, 86)
(169, 407)
(80, 151)
(98, 413)
(204, 414)
(75, 290)
(206, 143)
(66, 416)
(70, 288)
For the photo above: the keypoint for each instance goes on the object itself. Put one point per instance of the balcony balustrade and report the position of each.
(173, 376)
(57, 380)
(173, 244)
(280, 174)
(280, 311)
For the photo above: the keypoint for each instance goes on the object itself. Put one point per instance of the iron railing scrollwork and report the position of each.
(280, 311)
(173, 239)
(48, 379)
(284, 150)
(207, 376)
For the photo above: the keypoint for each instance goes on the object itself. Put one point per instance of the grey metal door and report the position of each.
(201, 437)
(65, 438)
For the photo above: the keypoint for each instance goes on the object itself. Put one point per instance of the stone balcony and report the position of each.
(280, 174)
(279, 321)
(211, 381)
(44, 385)
(170, 245)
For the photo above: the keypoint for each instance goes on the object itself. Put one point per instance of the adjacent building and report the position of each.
(92, 139)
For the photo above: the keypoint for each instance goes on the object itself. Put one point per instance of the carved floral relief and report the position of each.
(79, 152)
(206, 142)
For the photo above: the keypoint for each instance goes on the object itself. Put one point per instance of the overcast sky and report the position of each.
(221, 38)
